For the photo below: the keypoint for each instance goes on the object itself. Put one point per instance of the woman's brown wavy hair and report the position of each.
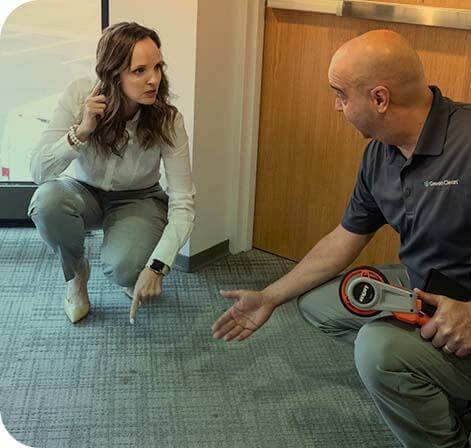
(156, 122)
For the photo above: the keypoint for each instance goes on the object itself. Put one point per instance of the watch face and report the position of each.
(157, 265)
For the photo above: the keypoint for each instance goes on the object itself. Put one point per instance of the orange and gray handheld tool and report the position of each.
(365, 291)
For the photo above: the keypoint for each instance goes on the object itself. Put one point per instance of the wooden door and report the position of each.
(309, 154)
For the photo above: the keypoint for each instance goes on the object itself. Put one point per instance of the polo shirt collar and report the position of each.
(433, 135)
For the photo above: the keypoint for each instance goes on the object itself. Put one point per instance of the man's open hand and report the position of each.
(249, 312)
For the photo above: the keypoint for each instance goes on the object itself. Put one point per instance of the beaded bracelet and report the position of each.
(73, 136)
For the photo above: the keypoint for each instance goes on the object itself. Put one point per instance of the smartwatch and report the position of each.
(158, 267)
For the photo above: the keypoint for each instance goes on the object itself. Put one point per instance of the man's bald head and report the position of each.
(380, 86)
(381, 58)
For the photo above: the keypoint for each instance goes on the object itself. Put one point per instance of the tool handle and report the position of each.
(413, 318)
(423, 315)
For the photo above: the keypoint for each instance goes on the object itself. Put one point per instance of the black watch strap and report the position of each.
(158, 266)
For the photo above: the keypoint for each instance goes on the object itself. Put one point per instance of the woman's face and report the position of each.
(140, 81)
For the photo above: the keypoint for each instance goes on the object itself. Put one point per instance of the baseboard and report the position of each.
(15, 198)
(16, 223)
(202, 259)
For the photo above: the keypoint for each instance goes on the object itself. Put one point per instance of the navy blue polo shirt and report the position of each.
(426, 199)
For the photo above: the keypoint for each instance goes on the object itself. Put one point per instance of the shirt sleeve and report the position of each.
(53, 153)
(181, 193)
(363, 215)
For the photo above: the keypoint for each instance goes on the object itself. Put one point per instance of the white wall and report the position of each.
(204, 44)
(175, 23)
(219, 79)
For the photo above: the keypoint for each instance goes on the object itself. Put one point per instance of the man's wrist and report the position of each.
(269, 298)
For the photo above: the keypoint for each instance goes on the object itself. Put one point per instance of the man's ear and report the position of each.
(380, 97)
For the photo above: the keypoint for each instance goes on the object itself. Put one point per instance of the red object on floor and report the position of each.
(5, 172)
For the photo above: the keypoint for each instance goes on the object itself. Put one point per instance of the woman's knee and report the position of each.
(51, 199)
(122, 271)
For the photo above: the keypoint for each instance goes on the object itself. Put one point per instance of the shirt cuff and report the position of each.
(166, 251)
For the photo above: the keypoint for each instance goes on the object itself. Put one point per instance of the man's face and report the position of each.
(140, 81)
(355, 104)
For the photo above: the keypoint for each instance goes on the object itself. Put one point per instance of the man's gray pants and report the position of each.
(132, 221)
(420, 391)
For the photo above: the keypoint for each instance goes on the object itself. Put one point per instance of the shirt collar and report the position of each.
(433, 135)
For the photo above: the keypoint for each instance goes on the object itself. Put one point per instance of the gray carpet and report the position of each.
(165, 382)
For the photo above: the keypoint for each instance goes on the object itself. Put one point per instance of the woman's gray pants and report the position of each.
(132, 221)
(420, 391)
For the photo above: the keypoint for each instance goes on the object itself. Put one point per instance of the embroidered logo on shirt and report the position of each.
(441, 183)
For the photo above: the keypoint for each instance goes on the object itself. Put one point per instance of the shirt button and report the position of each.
(407, 192)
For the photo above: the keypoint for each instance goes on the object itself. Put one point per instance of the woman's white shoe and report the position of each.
(77, 311)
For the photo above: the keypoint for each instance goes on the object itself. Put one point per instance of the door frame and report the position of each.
(244, 195)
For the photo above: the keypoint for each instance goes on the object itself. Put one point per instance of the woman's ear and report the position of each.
(380, 97)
